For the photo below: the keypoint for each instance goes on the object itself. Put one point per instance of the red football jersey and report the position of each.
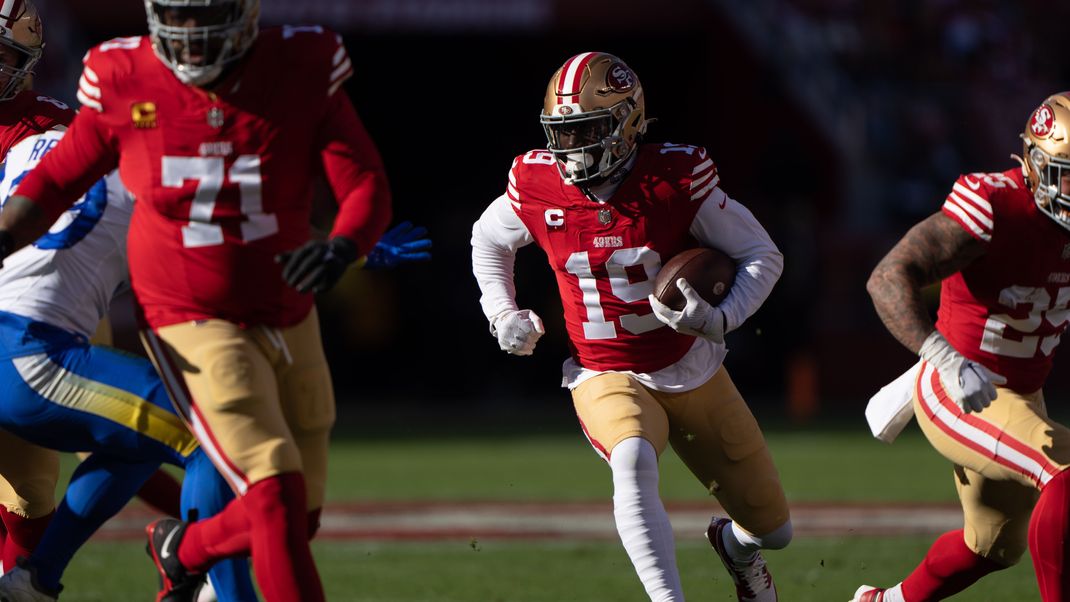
(1008, 309)
(606, 255)
(27, 114)
(223, 178)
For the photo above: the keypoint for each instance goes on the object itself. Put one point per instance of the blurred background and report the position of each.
(839, 123)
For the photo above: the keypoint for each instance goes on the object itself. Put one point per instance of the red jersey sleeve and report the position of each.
(351, 162)
(970, 206)
(83, 156)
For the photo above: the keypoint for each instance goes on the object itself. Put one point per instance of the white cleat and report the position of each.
(20, 585)
(868, 593)
(753, 581)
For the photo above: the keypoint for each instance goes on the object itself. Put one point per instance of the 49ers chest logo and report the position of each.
(1043, 122)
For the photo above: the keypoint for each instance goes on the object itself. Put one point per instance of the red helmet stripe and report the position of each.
(571, 76)
(10, 11)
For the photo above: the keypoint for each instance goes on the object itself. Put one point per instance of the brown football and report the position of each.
(709, 271)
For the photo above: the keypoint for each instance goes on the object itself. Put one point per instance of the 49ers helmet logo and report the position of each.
(1043, 122)
(620, 78)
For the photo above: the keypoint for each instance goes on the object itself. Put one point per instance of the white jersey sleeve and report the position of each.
(68, 276)
(496, 236)
(724, 224)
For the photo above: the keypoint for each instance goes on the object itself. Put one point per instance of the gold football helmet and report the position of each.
(1047, 157)
(22, 38)
(198, 39)
(594, 117)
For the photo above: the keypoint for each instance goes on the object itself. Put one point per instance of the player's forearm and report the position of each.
(365, 212)
(897, 298)
(24, 220)
(755, 279)
(492, 266)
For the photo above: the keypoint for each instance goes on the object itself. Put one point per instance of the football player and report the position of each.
(1000, 247)
(608, 210)
(219, 130)
(30, 473)
(62, 393)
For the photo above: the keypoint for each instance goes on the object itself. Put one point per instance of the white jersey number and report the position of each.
(208, 172)
(995, 339)
(596, 326)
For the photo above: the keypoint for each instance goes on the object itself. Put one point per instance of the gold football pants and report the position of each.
(259, 400)
(710, 428)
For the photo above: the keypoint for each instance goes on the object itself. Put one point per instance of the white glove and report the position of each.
(967, 383)
(517, 330)
(698, 318)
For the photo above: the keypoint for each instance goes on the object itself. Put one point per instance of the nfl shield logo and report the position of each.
(215, 117)
(605, 216)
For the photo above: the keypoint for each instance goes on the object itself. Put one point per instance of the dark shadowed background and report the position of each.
(838, 122)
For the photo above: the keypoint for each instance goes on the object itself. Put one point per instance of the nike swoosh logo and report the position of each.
(165, 552)
(724, 201)
(974, 185)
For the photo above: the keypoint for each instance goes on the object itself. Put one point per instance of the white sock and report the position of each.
(742, 546)
(894, 594)
(642, 522)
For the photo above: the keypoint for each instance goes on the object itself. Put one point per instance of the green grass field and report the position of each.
(815, 466)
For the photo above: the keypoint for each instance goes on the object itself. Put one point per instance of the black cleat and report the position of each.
(176, 583)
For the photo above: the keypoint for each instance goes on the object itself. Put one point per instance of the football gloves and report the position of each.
(698, 318)
(316, 266)
(517, 330)
(403, 243)
(966, 382)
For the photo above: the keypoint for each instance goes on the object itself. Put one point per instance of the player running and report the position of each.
(607, 210)
(1000, 246)
(219, 131)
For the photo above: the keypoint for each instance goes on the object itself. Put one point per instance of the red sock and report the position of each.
(282, 559)
(1048, 530)
(3, 541)
(23, 535)
(949, 567)
(221, 536)
(163, 493)
(225, 535)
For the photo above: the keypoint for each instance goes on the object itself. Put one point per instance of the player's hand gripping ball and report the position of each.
(709, 271)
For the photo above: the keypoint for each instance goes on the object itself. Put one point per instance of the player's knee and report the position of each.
(35, 498)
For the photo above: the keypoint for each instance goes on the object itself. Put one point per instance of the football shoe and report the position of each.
(752, 578)
(20, 585)
(868, 593)
(176, 583)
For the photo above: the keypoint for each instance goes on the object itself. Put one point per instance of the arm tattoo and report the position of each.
(932, 250)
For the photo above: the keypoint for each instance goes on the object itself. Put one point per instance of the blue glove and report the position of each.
(404, 243)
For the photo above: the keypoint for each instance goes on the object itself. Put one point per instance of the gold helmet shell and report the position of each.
(21, 34)
(594, 117)
(1046, 148)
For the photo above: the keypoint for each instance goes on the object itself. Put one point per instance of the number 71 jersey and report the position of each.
(605, 255)
(1008, 309)
(222, 178)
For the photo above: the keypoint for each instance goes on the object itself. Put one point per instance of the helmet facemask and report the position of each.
(1051, 197)
(22, 43)
(588, 146)
(199, 39)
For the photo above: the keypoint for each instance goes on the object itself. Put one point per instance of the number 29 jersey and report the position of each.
(1008, 309)
(222, 178)
(605, 255)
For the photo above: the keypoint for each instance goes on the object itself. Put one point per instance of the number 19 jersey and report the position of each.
(222, 178)
(1008, 309)
(605, 255)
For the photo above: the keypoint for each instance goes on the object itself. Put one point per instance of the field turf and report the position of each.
(832, 465)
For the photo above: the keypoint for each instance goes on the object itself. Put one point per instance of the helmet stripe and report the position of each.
(571, 75)
(9, 11)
